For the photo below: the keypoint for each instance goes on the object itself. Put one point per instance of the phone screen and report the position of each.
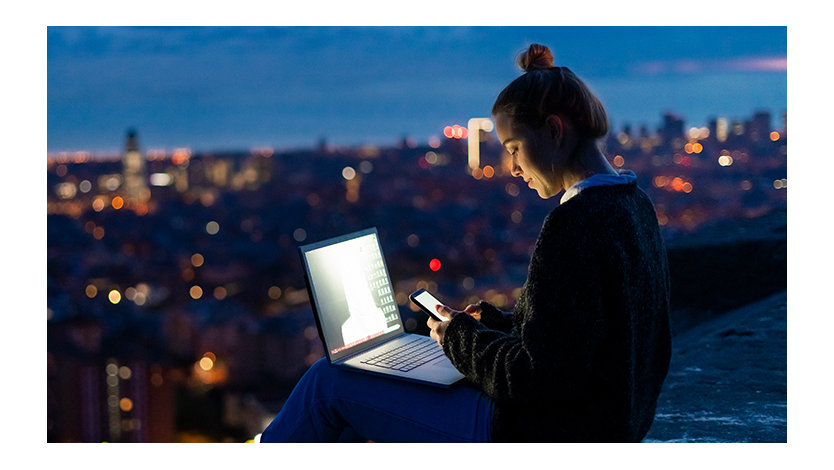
(429, 303)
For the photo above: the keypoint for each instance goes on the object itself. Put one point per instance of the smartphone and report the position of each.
(427, 303)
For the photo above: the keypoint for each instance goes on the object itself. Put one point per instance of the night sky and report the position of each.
(230, 88)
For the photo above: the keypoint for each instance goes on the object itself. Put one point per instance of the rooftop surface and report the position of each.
(728, 379)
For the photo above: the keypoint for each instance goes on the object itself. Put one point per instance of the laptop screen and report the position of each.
(353, 296)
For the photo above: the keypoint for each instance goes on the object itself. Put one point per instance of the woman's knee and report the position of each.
(320, 374)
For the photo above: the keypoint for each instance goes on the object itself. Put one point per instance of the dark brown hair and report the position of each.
(544, 90)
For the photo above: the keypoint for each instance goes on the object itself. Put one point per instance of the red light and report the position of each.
(448, 132)
(434, 264)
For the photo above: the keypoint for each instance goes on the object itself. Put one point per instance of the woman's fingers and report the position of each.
(473, 311)
(472, 308)
(445, 311)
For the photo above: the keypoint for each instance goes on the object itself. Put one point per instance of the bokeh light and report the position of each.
(434, 264)
(195, 292)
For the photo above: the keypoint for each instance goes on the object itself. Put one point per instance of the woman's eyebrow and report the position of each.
(509, 139)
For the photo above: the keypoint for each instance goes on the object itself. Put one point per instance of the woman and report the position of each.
(584, 354)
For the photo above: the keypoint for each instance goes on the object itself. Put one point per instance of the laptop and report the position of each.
(357, 315)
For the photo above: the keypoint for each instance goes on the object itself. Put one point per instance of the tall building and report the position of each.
(672, 130)
(720, 129)
(136, 190)
(760, 126)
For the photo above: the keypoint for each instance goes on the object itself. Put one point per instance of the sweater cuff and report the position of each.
(461, 328)
(494, 318)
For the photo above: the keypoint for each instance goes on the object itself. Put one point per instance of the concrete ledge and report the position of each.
(728, 379)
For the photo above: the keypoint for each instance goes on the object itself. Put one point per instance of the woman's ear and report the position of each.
(556, 127)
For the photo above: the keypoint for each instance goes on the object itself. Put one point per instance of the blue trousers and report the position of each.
(329, 401)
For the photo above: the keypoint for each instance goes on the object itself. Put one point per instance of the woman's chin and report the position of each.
(544, 194)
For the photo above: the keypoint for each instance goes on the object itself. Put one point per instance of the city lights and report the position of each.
(455, 132)
(413, 240)
(366, 167)
(274, 292)
(98, 204)
(474, 128)
(299, 235)
(188, 289)
(161, 179)
(220, 293)
(676, 184)
(195, 292)
(206, 363)
(693, 147)
(181, 156)
(434, 264)
(126, 404)
(66, 190)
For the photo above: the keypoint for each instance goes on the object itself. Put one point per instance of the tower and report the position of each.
(133, 170)
(672, 130)
(760, 126)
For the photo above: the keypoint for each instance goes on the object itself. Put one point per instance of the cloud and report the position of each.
(769, 64)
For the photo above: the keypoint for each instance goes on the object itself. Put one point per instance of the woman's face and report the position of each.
(533, 153)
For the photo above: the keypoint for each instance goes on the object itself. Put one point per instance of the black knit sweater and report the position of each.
(584, 354)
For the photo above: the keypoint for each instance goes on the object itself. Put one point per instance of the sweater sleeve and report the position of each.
(550, 355)
(493, 318)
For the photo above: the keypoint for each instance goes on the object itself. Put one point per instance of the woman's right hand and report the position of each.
(474, 311)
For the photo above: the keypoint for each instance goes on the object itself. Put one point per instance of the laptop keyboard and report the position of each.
(408, 356)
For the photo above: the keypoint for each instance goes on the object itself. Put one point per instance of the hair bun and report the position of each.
(536, 57)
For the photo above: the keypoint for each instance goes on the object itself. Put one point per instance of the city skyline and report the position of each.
(212, 89)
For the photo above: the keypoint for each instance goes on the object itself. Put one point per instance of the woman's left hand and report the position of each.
(437, 327)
